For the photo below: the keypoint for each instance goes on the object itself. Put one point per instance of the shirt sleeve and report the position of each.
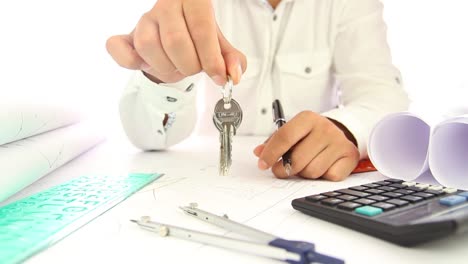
(145, 105)
(370, 85)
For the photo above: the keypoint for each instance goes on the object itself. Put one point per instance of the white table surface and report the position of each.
(250, 196)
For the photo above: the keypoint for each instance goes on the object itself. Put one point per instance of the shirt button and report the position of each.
(397, 80)
(264, 111)
(308, 70)
(275, 17)
(171, 99)
(189, 88)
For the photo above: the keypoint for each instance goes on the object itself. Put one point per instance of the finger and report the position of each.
(202, 26)
(258, 150)
(307, 149)
(286, 137)
(236, 62)
(279, 170)
(176, 40)
(149, 47)
(124, 54)
(320, 164)
(341, 169)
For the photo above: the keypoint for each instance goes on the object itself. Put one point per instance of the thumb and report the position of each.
(258, 150)
(121, 48)
(236, 62)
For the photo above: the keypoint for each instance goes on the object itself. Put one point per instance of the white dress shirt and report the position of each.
(326, 56)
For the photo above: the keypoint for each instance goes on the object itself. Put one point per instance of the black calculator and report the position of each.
(404, 213)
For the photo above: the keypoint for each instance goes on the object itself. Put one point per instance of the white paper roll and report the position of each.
(448, 153)
(22, 120)
(25, 161)
(398, 146)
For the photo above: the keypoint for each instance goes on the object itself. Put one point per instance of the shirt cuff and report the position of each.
(353, 125)
(168, 97)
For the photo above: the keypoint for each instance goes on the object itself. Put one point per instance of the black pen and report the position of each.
(279, 120)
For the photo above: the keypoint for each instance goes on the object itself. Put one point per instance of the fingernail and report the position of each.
(262, 164)
(256, 151)
(239, 72)
(219, 80)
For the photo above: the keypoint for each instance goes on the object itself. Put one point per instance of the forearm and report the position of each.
(363, 107)
(371, 86)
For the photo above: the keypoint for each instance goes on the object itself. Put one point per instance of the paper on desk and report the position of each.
(406, 146)
(25, 161)
(18, 121)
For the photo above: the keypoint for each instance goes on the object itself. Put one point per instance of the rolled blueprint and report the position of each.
(19, 121)
(398, 146)
(404, 146)
(448, 152)
(25, 161)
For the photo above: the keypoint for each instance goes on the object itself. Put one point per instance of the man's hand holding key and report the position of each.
(176, 39)
(180, 38)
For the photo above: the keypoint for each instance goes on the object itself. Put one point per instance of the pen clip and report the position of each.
(277, 111)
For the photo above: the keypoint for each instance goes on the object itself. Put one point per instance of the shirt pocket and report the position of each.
(305, 81)
(245, 91)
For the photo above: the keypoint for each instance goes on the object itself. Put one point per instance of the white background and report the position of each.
(53, 50)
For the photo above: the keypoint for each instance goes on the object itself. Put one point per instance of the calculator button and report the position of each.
(411, 198)
(397, 185)
(435, 187)
(349, 206)
(368, 210)
(424, 195)
(409, 184)
(315, 198)
(364, 201)
(346, 197)
(387, 188)
(374, 191)
(414, 188)
(393, 194)
(464, 194)
(385, 206)
(354, 193)
(378, 198)
(397, 202)
(394, 181)
(382, 183)
(371, 185)
(449, 190)
(331, 194)
(452, 200)
(405, 191)
(331, 201)
(435, 192)
(422, 186)
(359, 188)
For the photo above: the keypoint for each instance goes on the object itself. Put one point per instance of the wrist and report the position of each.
(345, 130)
(152, 78)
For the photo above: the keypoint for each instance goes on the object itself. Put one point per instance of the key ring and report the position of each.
(227, 93)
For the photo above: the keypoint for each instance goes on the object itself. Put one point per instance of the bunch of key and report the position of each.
(227, 118)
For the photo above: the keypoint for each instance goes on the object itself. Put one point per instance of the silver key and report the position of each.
(226, 118)
(227, 114)
(225, 157)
